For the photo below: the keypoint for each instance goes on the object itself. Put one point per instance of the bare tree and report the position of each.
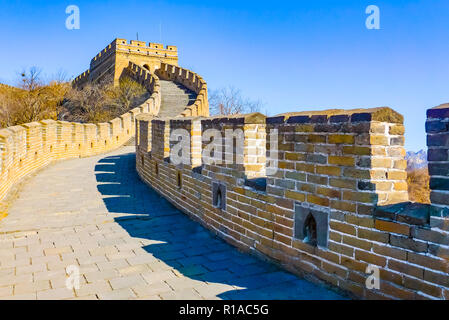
(229, 101)
(34, 100)
(88, 104)
(101, 101)
(31, 80)
(126, 94)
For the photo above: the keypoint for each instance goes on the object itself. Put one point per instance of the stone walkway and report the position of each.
(127, 241)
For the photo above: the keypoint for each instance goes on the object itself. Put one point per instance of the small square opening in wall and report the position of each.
(219, 195)
(311, 225)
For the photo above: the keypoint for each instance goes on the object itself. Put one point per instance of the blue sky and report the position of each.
(292, 55)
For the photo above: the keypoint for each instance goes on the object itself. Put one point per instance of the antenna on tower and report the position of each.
(137, 34)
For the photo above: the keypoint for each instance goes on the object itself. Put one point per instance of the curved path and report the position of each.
(127, 241)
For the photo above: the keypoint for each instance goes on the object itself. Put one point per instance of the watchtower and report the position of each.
(116, 56)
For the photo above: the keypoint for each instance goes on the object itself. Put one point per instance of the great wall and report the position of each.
(337, 204)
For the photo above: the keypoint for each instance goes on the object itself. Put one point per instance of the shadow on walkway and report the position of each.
(187, 246)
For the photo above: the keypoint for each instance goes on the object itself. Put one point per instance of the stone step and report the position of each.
(174, 98)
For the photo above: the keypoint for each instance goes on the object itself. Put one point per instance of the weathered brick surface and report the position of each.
(344, 163)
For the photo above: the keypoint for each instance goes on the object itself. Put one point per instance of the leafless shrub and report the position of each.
(101, 101)
(229, 101)
(33, 100)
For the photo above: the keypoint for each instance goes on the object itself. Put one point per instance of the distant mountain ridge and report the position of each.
(416, 160)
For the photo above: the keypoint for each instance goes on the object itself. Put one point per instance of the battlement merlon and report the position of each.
(123, 43)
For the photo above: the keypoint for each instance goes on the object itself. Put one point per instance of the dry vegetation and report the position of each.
(418, 185)
(229, 101)
(101, 102)
(35, 99)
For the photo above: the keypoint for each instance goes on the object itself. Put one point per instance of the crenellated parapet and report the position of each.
(190, 80)
(81, 80)
(28, 147)
(323, 194)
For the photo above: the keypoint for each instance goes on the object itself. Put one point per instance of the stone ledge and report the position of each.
(250, 118)
(383, 114)
(405, 212)
(441, 111)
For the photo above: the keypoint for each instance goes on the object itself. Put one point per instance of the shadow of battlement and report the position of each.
(187, 247)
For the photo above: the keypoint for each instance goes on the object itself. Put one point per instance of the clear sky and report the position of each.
(292, 55)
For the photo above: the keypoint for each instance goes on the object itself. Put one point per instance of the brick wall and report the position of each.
(190, 80)
(337, 203)
(31, 146)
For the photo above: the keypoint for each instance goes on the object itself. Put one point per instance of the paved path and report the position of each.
(127, 241)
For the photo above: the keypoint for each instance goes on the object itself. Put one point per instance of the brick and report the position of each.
(340, 248)
(318, 200)
(328, 170)
(356, 173)
(436, 277)
(428, 262)
(311, 178)
(373, 235)
(342, 161)
(334, 269)
(343, 227)
(400, 164)
(431, 235)
(300, 176)
(436, 126)
(406, 268)
(327, 192)
(316, 158)
(295, 195)
(407, 243)
(366, 222)
(393, 227)
(419, 285)
(356, 150)
(352, 264)
(437, 155)
(366, 197)
(437, 140)
(357, 243)
(397, 130)
(397, 141)
(343, 205)
(341, 139)
(390, 276)
(439, 183)
(390, 252)
(343, 183)
(370, 258)
(439, 197)
(379, 140)
(396, 175)
(396, 291)
(381, 163)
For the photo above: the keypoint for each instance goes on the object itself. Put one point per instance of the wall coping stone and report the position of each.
(406, 212)
(382, 114)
